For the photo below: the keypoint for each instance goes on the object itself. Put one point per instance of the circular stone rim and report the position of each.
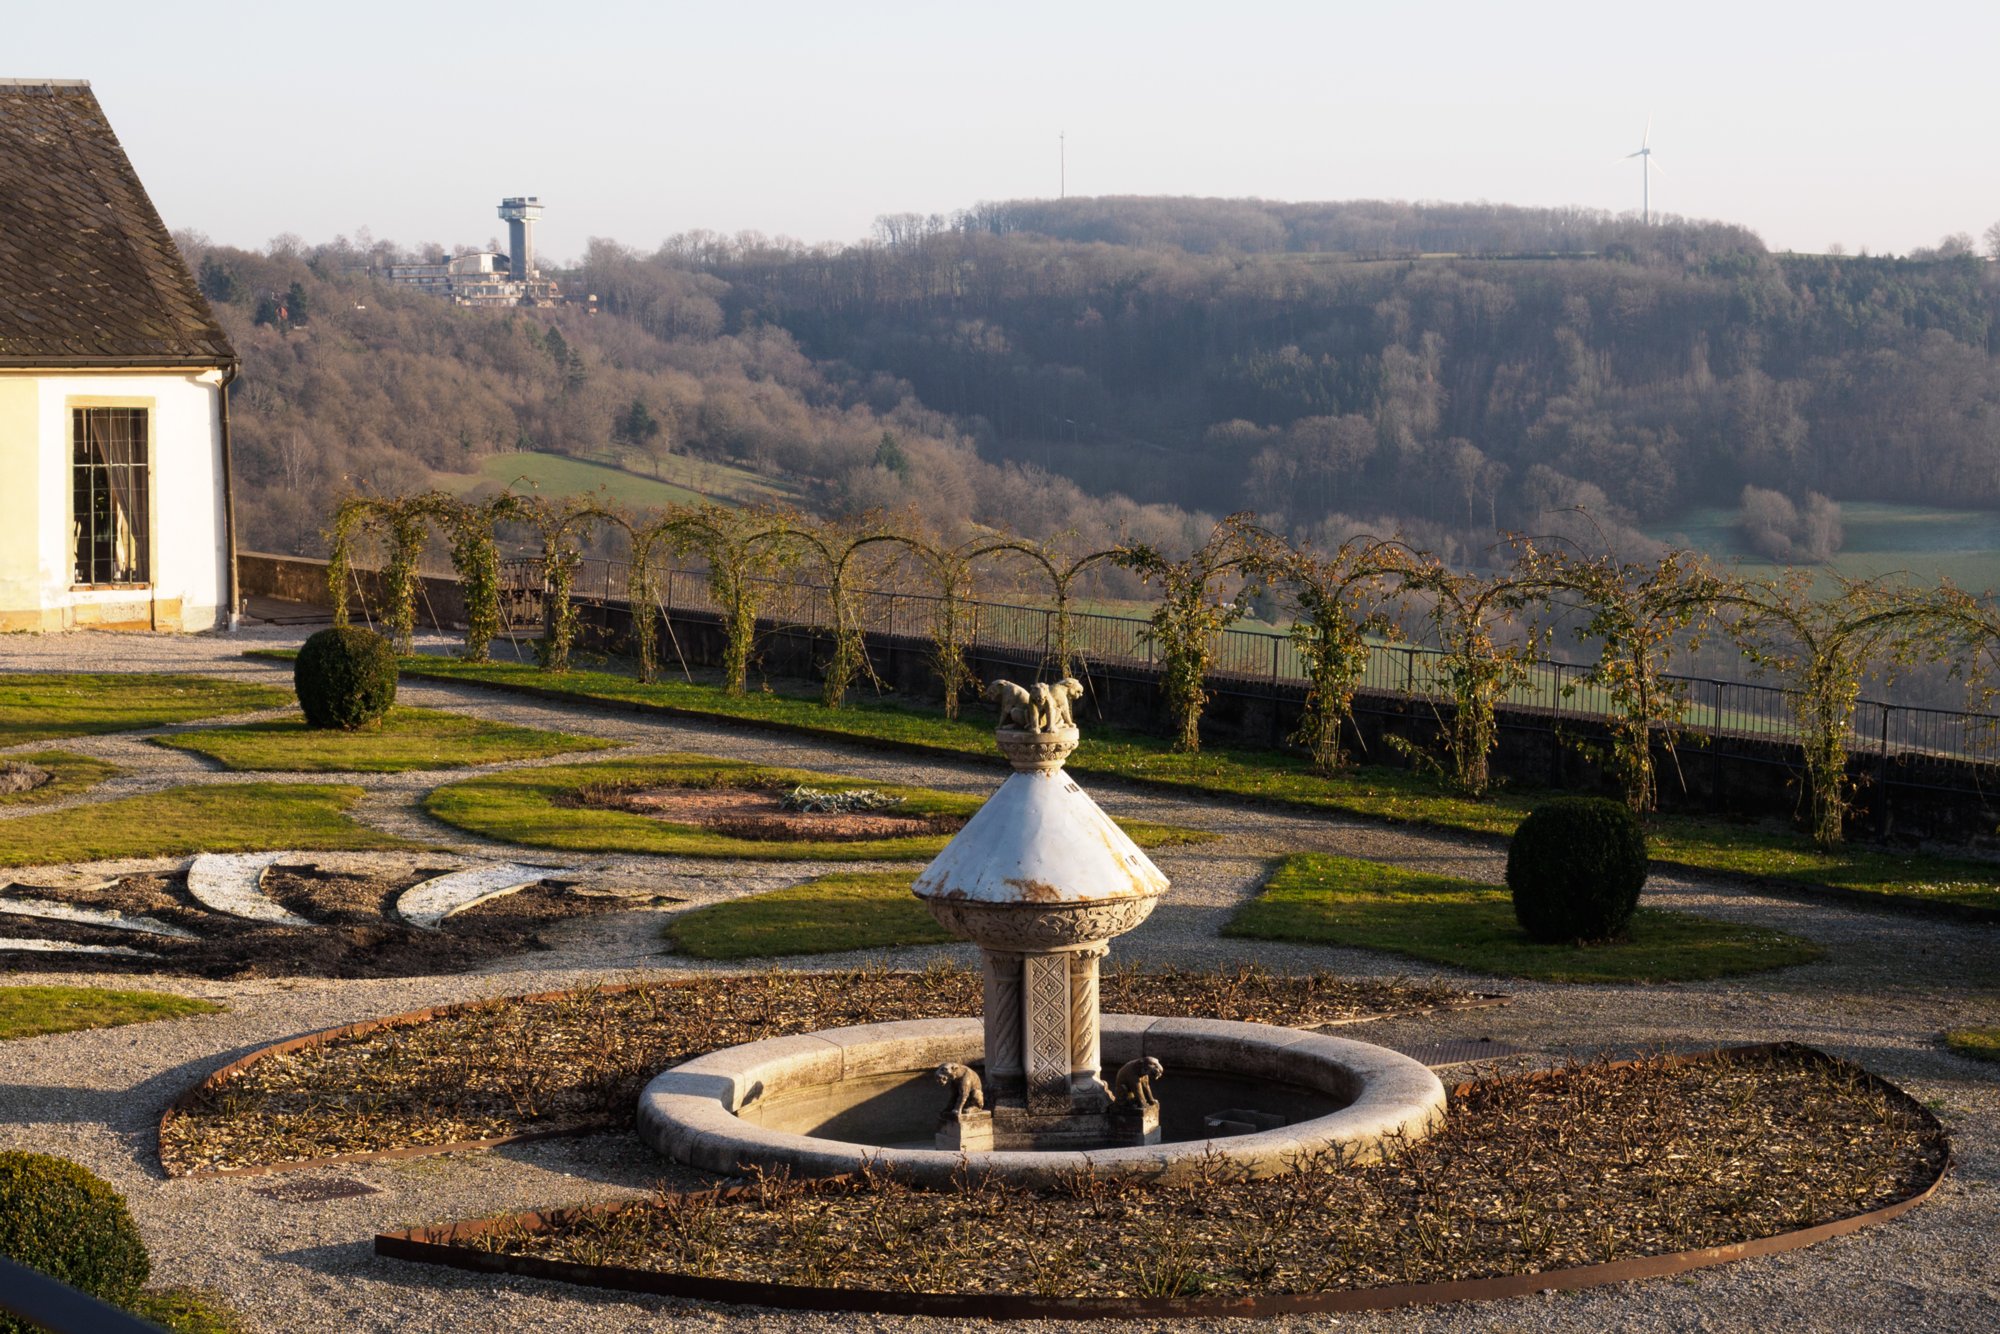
(689, 1113)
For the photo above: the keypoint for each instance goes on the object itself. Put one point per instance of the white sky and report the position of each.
(1870, 125)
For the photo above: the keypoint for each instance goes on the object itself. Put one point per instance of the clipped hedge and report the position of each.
(72, 1226)
(1575, 868)
(345, 678)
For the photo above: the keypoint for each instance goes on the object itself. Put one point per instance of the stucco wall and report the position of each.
(188, 554)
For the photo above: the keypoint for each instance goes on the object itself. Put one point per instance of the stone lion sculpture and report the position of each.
(1133, 1086)
(966, 1090)
(1053, 702)
(1017, 706)
(1038, 708)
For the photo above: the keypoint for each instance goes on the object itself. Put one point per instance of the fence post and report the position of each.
(1274, 660)
(1409, 671)
(1882, 779)
(1715, 749)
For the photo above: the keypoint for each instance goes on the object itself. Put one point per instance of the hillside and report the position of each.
(1099, 366)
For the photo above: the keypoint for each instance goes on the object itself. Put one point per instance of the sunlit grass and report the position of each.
(69, 773)
(44, 706)
(27, 1012)
(221, 817)
(1326, 900)
(829, 915)
(405, 739)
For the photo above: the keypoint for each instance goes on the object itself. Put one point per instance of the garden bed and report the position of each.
(1590, 1173)
(568, 1062)
(355, 931)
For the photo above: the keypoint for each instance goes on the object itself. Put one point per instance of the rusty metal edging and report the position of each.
(217, 1078)
(440, 1245)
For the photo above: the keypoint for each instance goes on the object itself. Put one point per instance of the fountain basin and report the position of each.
(826, 1103)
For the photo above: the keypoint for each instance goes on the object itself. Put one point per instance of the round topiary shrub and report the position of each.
(58, 1218)
(1575, 868)
(345, 677)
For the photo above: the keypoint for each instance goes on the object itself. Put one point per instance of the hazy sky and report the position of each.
(1872, 125)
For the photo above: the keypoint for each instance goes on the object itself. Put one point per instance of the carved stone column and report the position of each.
(1087, 1090)
(1046, 1004)
(1006, 1073)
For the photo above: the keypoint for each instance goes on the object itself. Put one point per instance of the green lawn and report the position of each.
(1981, 1044)
(1757, 851)
(47, 706)
(223, 817)
(27, 1012)
(68, 773)
(525, 807)
(405, 739)
(678, 480)
(853, 911)
(1325, 900)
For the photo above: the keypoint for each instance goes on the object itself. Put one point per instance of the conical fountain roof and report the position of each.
(1040, 839)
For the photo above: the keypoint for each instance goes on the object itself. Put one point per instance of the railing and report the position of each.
(1549, 687)
(33, 1296)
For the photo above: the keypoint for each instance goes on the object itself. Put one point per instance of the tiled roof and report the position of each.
(88, 274)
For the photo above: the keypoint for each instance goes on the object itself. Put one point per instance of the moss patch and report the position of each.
(43, 706)
(27, 1012)
(527, 807)
(405, 739)
(1325, 900)
(860, 911)
(221, 817)
(1981, 1044)
(69, 773)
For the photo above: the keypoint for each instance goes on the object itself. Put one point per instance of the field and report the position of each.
(681, 481)
(1925, 541)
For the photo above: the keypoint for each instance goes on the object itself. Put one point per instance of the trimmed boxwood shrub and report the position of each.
(71, 1225)
(345, 677)
(1575, 868)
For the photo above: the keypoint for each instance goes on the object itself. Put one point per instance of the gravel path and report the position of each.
(1885, 989)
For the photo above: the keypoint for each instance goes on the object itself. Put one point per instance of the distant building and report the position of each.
(488, 277)
(114, 412)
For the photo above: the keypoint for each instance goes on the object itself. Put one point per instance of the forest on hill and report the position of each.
(1447, 370)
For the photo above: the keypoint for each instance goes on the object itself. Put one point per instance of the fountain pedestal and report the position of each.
(1041, 880)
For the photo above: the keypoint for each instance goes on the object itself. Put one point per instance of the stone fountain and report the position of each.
(1041, 880)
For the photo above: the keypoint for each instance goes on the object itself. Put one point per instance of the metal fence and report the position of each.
(1549, 687)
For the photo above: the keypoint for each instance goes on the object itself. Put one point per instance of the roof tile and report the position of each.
(88, 271)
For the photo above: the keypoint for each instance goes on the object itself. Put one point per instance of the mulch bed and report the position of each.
(1590, 1164)
(358, 934)
(526, 1065)
(759, 814)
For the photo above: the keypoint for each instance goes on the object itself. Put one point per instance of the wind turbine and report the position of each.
(1646, 169)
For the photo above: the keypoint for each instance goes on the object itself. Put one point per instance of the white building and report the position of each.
(114, 420)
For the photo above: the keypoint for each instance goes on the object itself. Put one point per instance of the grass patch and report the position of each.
(526, 807)
(224, 817)
(45, 706)
(853, 911)
(1326, 900)
(188, 1311)
(30, 1012)
(405, 739)
(69, 773)
(1981, 1044)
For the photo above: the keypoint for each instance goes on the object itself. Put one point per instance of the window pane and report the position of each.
(109, 497)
